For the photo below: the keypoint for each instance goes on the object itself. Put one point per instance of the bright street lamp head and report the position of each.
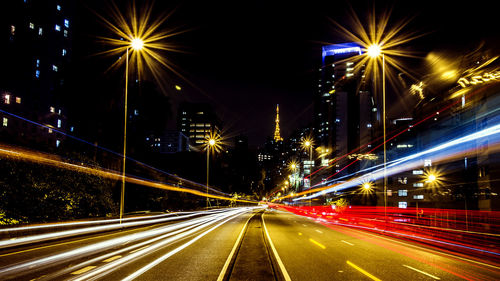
(211, 142)
(367, 186)
(374, 50)
(307, 143)
(431, 177)
(137, 44)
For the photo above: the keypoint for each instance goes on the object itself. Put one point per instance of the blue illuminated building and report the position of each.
(345, 112)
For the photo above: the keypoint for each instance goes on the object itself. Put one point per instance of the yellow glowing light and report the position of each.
(431, 177)
(178, 88)
(374, 50)
(379, 36)
(137, 44)
(214, 142)
(135, 28)
(307, 142)
(367, 186)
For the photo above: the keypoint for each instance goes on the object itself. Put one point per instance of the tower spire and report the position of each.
(277, 136)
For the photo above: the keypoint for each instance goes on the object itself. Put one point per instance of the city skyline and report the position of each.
(279, 64)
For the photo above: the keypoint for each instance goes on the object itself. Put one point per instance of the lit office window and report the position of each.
(57, 27)
(71, 129)
(58, 142)
(7, 99)
(40, 31)
(402, 205)
(18, 99)
(66, 23)
(59, 123)
(32, 25)
(12, 30)
(65, 33)
(37, 63)
(64, 52)
(403, 192)
(5, 122)
(37, 73)
(52, 109)
(58, 7)
(55, 68)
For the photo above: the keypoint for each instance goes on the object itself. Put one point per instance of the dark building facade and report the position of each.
(36, 39)
(197, 121)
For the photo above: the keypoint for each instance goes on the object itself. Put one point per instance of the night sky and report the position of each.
(247, 56)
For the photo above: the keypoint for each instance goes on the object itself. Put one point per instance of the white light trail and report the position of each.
(438, 153)
(178, 229)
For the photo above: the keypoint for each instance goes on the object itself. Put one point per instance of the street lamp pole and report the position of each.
(208, 164)
(374, 51)
(385, 147)
(122, 194)
(136, 44)
(210, 144)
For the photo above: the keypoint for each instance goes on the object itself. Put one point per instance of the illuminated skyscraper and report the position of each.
(344, 110)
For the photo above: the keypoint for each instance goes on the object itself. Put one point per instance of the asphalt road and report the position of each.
(239, 244)
(311, 250)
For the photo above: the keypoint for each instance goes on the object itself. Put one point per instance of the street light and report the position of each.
(212, 143)
(431, 178)
(374, 51)
(136, 44)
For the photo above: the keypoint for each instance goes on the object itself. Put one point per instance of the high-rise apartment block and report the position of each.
(36, 49)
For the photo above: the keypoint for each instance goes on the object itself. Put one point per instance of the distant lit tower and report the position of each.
(277, 136)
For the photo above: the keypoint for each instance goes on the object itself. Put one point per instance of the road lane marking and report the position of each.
(231, 254)
(189, 233)
(363, 271)
(425, 249)
(137, 250)
(280, 263)
(83, 270)
(347, 242)
(317, 243)
(423, 272)
(319, 231)
(112, 258)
